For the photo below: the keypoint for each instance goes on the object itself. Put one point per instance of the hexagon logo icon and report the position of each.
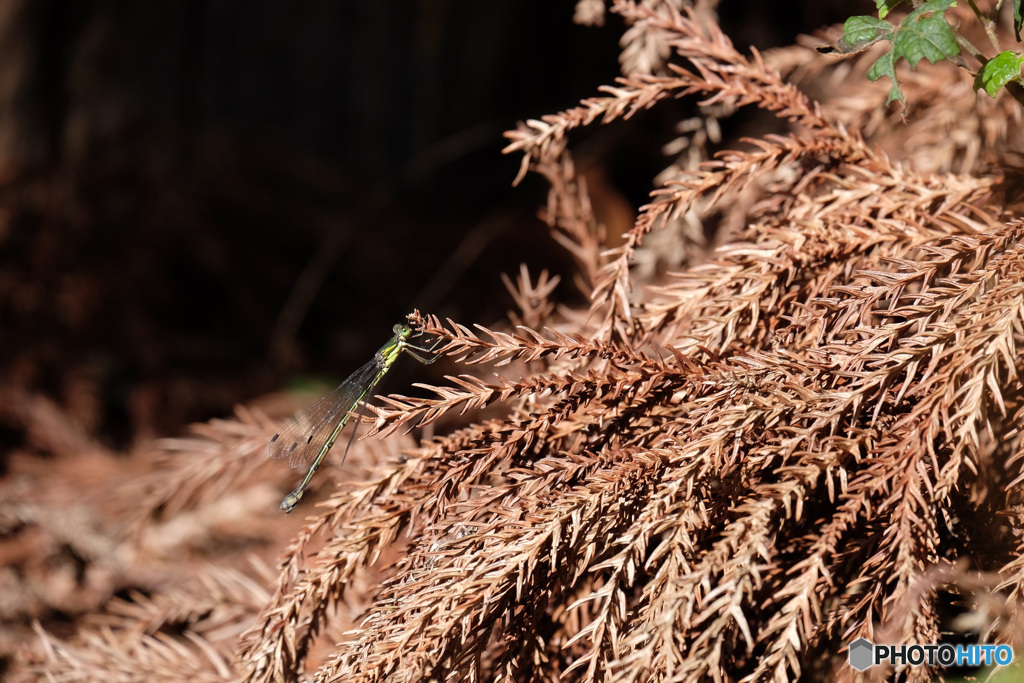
(862, 654)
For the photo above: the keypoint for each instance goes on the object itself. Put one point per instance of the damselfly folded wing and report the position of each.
(303, 437)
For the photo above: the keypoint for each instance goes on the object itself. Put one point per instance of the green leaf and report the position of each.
(885, 66)
(886, 6)
(930, 7)
(861, 30)
(925, 36)
(1016, 18)
(999, 71)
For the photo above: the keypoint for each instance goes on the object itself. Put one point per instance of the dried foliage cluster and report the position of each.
(808, 432)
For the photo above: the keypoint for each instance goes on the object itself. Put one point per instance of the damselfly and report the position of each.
(310, 434)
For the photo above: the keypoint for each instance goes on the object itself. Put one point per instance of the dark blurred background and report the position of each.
(203, 200)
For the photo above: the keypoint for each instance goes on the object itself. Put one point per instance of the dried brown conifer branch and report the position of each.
(133, 656)
(529, 345)
(318, 587)
(741, 286)
(571, 217)
(134, 641)
(295, 615)
(198, 469)
(533, 300)
(540, 544)
(804, 377)
(724, 474)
